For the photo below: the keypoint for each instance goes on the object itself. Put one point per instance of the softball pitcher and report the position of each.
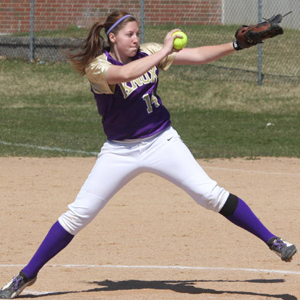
(140, 138)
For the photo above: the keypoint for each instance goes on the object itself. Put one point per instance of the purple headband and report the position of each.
(118, 22)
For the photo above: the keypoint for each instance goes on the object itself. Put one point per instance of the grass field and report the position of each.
(49, 105)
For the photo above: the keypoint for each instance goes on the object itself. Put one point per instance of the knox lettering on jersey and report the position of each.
(129, 87)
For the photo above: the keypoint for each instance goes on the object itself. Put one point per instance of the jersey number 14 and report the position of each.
(150, 100)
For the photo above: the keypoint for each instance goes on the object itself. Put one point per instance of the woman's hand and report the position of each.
(168, 46)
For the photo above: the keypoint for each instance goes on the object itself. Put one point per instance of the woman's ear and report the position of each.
(112, 37)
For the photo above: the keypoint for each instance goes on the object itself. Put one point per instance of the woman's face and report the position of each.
(127, 40)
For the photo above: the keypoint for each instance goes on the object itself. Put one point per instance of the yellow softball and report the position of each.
(180, 43)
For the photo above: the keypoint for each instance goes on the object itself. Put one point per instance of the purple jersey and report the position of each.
(130, 110)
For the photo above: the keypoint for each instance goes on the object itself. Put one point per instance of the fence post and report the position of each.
(31, 39)
(260, 47)
(142, 21)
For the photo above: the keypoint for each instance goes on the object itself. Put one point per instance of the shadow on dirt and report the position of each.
(187, 287)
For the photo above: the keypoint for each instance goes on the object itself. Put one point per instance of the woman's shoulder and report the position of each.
(99, 62)
(101, 58)
(150, 48)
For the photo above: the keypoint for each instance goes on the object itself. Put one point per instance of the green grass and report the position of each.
(219, 133)
(50, 105)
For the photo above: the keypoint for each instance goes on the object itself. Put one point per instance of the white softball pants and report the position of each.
(118, 163)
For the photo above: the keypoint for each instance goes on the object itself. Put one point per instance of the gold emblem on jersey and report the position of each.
(129, 87)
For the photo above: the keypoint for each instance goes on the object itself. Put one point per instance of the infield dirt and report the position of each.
(152, 241)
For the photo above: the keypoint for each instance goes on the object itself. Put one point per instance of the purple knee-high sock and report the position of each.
(55, 241)
(246, 219)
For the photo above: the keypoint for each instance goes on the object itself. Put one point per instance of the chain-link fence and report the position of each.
(44, 29)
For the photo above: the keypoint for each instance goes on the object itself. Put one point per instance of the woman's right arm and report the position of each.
(117, 74)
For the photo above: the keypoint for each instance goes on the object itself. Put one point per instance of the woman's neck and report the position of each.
(117, 56)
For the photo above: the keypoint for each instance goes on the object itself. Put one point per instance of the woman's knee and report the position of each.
(81, 212)
(212, 197)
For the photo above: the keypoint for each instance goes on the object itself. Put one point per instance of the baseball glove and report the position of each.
(248, 36)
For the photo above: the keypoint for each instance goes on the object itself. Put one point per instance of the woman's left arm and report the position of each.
(202, 55)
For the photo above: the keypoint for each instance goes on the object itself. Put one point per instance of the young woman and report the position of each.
(140, 138)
